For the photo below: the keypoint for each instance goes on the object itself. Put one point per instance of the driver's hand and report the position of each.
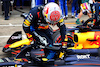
(64, 44)
(30, 37)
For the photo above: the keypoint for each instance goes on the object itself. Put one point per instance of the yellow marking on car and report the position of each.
(61, 54)
(20, 43)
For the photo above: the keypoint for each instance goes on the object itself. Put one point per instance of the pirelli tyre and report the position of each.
(57, 37)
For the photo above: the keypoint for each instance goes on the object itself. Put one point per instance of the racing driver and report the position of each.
(39, 19)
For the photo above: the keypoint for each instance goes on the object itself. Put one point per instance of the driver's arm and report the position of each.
(27, 23)
(62, 27)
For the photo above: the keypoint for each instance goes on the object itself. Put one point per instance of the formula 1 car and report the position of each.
(15, 43)
(30, 57)
(84, 36)
(79, 40)
(74, 39)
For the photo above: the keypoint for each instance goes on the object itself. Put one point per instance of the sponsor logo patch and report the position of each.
(87, 56)
(16, 37)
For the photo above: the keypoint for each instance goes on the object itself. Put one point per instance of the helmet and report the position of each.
(52, 13)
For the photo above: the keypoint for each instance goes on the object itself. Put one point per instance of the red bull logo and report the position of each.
(97, 38)
(87, 40)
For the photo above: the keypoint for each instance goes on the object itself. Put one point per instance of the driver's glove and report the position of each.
(40, 39)
(64, 43)
(29, 36)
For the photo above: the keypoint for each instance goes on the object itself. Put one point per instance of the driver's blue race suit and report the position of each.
(40, 26)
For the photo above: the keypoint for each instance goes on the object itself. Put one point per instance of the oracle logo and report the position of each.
(83, 56)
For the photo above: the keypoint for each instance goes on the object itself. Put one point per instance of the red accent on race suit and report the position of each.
(38, 14)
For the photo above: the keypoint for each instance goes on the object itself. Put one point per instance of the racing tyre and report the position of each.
(57, 38)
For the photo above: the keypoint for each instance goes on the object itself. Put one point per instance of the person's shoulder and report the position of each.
(34, 8)
(38, 6)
